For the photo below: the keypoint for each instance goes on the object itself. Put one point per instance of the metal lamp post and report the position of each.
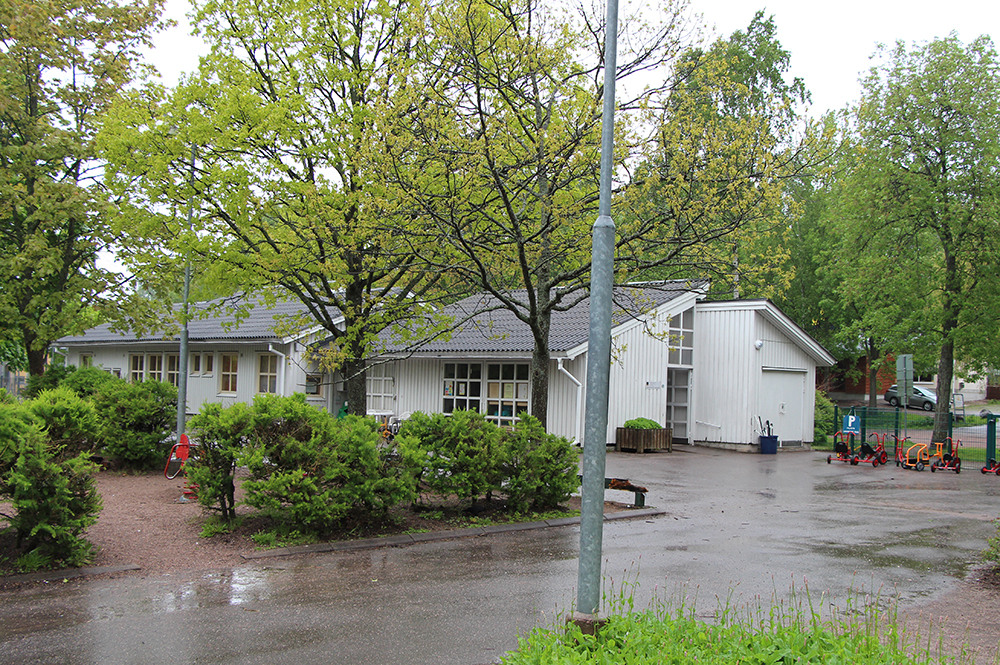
(183, 360)
(599, 353)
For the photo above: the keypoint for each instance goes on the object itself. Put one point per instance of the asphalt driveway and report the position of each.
(737, 527)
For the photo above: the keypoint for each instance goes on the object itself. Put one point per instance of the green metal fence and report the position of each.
(975, 438)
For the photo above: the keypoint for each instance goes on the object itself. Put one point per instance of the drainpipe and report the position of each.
(281, 374)
(579, 400)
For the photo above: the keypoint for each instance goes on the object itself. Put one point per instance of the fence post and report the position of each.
(864, 424)
(991, 437)
(896, 426)
(836, 419)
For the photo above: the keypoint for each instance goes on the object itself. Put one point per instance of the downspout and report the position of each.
(579, 399)
(281, 374)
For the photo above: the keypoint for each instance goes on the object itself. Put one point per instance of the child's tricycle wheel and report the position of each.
(884, 459)
(920, 466)
(933, 467)
(958, 465)
(829, 458)
(855, 460)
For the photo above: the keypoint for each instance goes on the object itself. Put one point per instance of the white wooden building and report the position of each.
(711, 371)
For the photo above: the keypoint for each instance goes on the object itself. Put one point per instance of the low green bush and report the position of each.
(87, 381)
(824, 418)
(54, 503)
(54, 375)
(540, 469)
(70, 421)
(138, 421)
(641, 423)
(460, 454)
(222, 434)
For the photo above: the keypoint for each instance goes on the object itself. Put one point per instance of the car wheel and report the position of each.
(928, 406)
(893, 401)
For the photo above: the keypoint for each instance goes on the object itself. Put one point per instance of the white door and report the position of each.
(782, 403)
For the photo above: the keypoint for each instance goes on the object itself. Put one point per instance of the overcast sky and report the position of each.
(830, 42)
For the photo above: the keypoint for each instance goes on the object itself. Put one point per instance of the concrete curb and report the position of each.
(412, 538)
(67, 573)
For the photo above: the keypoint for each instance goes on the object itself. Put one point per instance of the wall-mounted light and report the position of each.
(758, 344)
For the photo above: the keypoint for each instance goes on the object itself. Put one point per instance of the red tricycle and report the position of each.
(992, 466)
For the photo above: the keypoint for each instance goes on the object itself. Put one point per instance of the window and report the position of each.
(314, 385)
(681, 339)
(230, 363)
(381, 389)
(137, 368)
(267, 374)
(507, 390)
(173, 369)
(86, 360)
(463, 387)
(154, 367)
(200, 364)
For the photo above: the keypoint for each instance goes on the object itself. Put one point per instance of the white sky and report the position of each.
(830, 42)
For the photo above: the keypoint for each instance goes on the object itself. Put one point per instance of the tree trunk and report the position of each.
(540, 382)
(355, 386)
(873, 356)
(946, 362)
(36, 357)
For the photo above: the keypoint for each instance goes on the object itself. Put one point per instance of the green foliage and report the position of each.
(54, 503)
(641, 423)
(54, 375)
(61, 65)
(87, 381)
(317, 470)
(992, 551)
(70, 421)
(462, 453)
(777, 634)
(138, 419)
(16, 423)
(540, 469)
(221, 434)
(12, 354)
(824, 419)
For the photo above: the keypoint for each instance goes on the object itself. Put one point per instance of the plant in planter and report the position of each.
(642, 434)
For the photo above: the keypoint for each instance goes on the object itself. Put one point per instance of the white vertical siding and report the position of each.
(638, 378)
(419, 385)
(564, 418)
(726, 379)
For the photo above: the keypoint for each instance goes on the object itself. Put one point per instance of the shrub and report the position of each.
(540, 468)
(641, 423)
(87, 381)
(138, 419)
(460, 454)
(70, 421)
(53, 376)
(824, 417)
(15, 424)
(54, 503)
(222, 434)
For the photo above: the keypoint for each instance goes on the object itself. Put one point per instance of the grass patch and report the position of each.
(781, 633)
(214, 525)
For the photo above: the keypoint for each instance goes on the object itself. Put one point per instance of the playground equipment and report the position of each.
(876, 455)
(992, 466)
(917, 455)
(841, 446)
(947, 460)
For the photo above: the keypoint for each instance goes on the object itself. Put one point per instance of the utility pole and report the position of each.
(598, 355)
(182, 368)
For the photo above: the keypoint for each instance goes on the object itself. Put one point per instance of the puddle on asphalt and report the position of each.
(926, 551)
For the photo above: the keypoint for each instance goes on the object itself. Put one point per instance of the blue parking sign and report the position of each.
(852, 424)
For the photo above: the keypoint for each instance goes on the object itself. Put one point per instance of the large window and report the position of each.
(507, 390)
(173, 369)
(136, 367)
(381, 389)
(154, 368)
(227, 377)
(201, 364)
(463, 387)
(681, 340)
(267, 373)
(314, 385)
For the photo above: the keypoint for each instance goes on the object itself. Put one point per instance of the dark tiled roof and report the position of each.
(220, 325)
(498, 330)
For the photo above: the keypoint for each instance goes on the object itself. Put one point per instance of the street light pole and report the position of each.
(598, 352)
(182, 367)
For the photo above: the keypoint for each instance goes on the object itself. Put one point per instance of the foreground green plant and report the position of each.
(862, 635)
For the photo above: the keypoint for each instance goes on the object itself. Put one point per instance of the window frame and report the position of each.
(270, 376)
(229, 380)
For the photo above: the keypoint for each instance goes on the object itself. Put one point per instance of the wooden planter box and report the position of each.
(641, 440)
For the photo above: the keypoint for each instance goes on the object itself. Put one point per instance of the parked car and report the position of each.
(920, 399)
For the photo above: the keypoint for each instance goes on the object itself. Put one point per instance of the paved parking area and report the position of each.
(737, 527)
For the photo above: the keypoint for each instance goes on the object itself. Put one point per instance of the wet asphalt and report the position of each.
(736, 528)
